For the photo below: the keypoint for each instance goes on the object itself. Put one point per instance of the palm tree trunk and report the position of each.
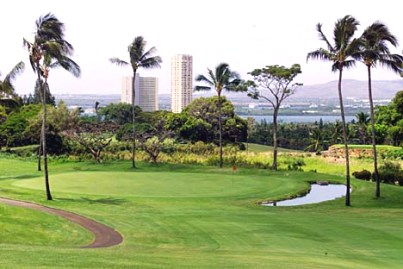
(133, 120)
(43, 134)
(275, 146)
(348, 203)
(40, 152)
(220, 128)
(371, 105)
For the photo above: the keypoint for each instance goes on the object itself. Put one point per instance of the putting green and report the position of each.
(159, 184)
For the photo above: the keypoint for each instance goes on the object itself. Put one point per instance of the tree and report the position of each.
(94, 137)
(374, 50)
(155, 138)
(201, 123)
(221, 79)
(139, 58)
(274, 84)
(342, 54)
(389, 121)
(119, 113)
(49, 47)
(12, 131)
(398, 102)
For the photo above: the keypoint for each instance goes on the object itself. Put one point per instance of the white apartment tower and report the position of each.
(146, 92)
(181, 82)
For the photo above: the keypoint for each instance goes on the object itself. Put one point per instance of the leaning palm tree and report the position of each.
(222, 79)
(48, 45)
(375, 40)
(7, 90)
(139, 58)
(341, 54)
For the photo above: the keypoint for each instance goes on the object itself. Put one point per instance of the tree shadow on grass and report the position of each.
(19, 177)
(107, 200)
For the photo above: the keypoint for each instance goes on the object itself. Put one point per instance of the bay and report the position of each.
(299, 118)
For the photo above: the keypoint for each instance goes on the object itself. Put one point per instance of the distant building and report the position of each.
(181, 82)
(146, 92)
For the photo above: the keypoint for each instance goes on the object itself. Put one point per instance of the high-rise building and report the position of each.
(181, 82)
(146, 92)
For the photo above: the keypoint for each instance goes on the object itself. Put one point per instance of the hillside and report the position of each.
(382, 89)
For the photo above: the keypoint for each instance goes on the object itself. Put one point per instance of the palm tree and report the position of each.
(375, 40)
(48, 48)
(7, 90)
(139, 58)
(341, 54)
(48, 63)
(316, 138)
(222, 79)
(362, 122)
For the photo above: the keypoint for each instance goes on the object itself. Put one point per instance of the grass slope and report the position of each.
(176, 216)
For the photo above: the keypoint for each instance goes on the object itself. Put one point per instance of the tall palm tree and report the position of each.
(48, 63)
(341, 54)
(139, 58)
(7, 90)
(48, 46)
(375, 40)
(221, 79)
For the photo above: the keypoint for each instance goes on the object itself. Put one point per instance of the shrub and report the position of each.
(364, 174)
(295, 164)
(391, 173)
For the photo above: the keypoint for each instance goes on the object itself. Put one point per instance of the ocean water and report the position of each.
(300, 118)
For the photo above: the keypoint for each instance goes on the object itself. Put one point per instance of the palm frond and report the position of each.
(379, 32)
(17, 69)
(152, 62)
(344, 31)
(148, 54)
(321, 54)
(323, 37)
(349, 63)
(393, 62)
(202, 78)
(6, 86)
(118, 61)
(136, 49)
(374, 47)
(69, 65)
(202, 88)
(48, 27)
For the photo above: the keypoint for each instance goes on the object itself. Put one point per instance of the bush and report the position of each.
(391, 173)
(295, 165)
(242, 146)
(364, 174)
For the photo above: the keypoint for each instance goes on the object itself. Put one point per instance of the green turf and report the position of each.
(263, 148)
(378, 147)
(175, 216)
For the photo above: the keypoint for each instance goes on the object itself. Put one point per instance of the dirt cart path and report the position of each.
(104, 236)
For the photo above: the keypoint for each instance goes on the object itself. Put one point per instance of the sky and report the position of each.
(245, 34)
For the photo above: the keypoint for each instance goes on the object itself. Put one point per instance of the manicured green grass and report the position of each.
(378, 147)
(263, 148)
(177, 216)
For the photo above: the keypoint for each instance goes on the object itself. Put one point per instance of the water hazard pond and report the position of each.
(318, 193)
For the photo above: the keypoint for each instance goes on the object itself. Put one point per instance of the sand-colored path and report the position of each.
(104, 236)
